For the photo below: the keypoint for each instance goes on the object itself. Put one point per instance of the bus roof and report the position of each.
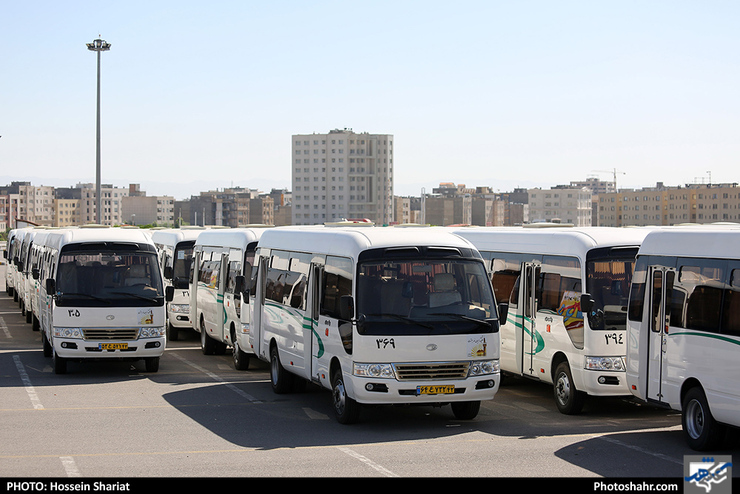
(710, 241)
(230, 237)
(173, 236)
(350, 241)
(82, 235)
(556, 241)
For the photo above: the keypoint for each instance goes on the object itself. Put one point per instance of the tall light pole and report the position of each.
(98, 45)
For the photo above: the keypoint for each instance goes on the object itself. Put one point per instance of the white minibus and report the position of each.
(33, 281)
(222, 267)
(550, 278)
(175, 249)
(11, 247)
(377, 315)
(23, 273)
(15, 247)
(102, 297)
(684, 328)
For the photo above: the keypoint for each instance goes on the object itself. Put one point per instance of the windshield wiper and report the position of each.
(136, 295)
(61, 295)
(404, 319)
(461, 316)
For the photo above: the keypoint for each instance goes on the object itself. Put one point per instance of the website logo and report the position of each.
(703, 475)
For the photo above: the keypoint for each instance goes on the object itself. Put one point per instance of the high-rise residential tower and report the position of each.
(342, 175)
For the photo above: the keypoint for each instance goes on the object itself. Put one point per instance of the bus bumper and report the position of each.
(110, 349)
(392, 392)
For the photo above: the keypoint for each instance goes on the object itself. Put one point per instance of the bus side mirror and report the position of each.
(346, 307)
(239, 284)
(169, 293)
(51, 285)
(168, 272)
(35, 273)
(587, 303)
(247, 276)
(503, 312)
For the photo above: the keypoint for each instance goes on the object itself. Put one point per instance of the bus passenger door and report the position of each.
(529, 324)
(661, 286)
(256, 306)
(315, 342)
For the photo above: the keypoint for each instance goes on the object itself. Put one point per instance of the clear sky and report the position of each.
(199, 95)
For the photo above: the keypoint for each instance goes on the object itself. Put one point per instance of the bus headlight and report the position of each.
(153, 332)
(483, 368)
(379, 371)
(605, 364)
(180, 308)
(68, 333)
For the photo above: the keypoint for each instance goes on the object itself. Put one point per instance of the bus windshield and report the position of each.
(108, 279)
(608, 278)
(418, 297)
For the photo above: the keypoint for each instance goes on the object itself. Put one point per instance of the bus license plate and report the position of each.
(113, 346)
(435, 390)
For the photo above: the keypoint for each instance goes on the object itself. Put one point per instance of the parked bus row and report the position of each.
(435, 315)
(93, 292)
(649, 313)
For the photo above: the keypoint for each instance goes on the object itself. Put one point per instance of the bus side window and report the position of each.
(337, 282)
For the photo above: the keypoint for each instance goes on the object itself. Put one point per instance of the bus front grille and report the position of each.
(427, 371)
(110, 333)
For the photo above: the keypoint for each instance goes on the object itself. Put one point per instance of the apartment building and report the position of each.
(664, 206)
(111, 203)
(342, 174)
(563, 203)
(231, 207)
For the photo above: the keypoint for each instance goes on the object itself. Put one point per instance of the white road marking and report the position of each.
(70, 467)
(368, 462)
(27, 383)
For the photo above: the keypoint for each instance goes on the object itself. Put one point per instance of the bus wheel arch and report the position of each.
(568, 398)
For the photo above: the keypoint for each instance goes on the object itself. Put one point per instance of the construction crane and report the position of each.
(614, 172)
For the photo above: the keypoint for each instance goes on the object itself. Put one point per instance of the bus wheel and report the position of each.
(48, 351)
(346, 410)
(207, 344)
(172, 332)
(59, 363)
(702, 432)
(465, 410)
(567, 398)
(152, 364)
(280, 379)
(241, 359)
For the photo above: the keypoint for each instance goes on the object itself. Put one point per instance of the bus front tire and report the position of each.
(567, 398)
(465, 410)
(280, 379)
(241, 358)
(173, 333)
(700, 429)
(151, 364)
(59, 363)
(346, 410)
